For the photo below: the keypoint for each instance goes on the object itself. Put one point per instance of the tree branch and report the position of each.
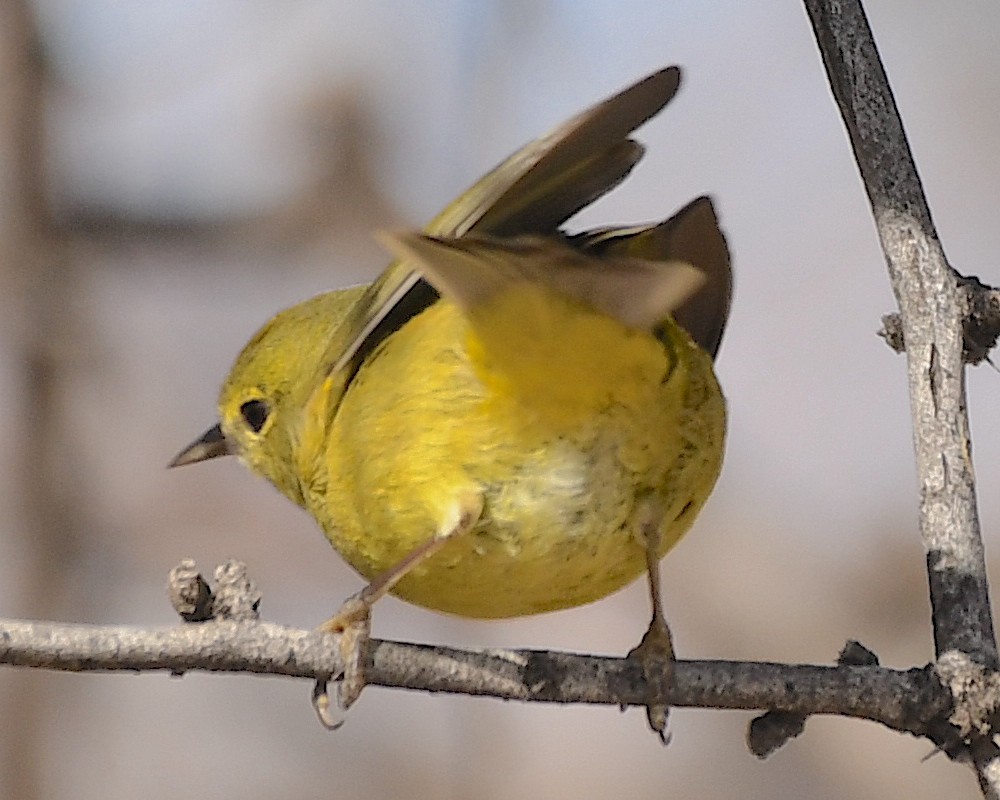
(912, 701)
(932, 314)
(229, 638)
(934, 324)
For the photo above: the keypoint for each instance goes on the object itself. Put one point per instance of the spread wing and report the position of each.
(533, 192)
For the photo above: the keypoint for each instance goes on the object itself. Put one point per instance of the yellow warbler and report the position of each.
(511, 419)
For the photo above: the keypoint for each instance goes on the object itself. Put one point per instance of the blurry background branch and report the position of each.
(39, 280)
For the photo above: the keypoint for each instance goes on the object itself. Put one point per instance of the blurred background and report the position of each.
(174, 172)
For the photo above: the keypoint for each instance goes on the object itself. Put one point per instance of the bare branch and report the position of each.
(945, 319)
(912, 701)
(933, 309)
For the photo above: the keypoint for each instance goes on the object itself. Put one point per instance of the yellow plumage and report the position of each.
(509, 420)
(562, 448)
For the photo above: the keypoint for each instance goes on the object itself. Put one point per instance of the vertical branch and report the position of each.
(40, 275)
(37, 275)
(932, 311)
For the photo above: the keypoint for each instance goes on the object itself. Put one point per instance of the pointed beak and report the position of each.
(212, 445)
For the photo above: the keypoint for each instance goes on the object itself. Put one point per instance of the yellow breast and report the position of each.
(563, 420)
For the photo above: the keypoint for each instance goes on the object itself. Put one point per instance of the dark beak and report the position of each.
(212, 445)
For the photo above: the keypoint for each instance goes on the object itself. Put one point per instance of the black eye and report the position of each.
(255, 413)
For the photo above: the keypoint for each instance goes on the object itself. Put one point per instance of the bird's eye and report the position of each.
(255, 413)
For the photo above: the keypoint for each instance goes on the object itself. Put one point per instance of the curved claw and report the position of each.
(352, 624)
(322, 706)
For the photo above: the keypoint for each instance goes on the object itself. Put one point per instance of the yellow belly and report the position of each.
(575, 448)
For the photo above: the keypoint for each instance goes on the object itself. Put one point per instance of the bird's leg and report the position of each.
(352, 623)
(656, 650)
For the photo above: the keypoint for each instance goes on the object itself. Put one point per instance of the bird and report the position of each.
(512, 418)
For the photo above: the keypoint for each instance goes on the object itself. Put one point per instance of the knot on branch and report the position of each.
(775, 728)
(236, 596)
(980, 325)
(975, 690)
